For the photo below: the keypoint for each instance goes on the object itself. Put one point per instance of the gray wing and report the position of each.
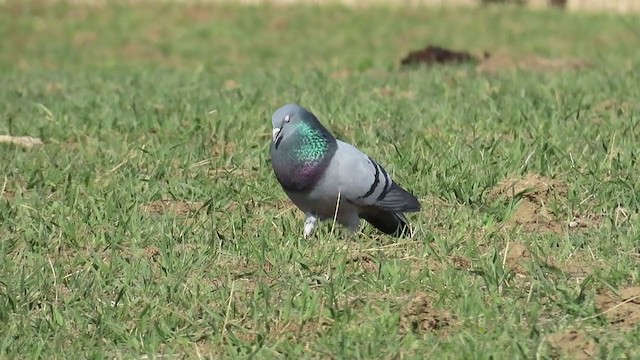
(364, 182)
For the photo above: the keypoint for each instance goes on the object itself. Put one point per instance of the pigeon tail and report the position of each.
(390, 223)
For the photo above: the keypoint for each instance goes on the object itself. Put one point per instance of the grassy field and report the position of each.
(150, 222)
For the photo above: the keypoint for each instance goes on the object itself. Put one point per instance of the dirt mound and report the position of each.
(431, 55)
(535, 193)
(623, 310)
(573, 344)
(178, 207)
(419, 316)
(578, 266)
(517, 256)
(491, 64)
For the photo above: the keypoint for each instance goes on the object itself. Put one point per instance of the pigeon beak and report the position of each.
(276, 131)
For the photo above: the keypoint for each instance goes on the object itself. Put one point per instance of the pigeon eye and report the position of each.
(287, 118)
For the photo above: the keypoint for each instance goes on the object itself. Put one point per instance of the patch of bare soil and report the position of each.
(176, 206)
(612, 105)
(573, 344)
(231, 84)
(9, 195)
(458, 262)
(53, 88)
(420, 315)
(340, 74)
(366, 262)
(152, 252)
(502, 62)
(517, 256)
(491, 64)
(535, 193)
(611, 109)
(622, 310)
(578, 266)
(586, 221)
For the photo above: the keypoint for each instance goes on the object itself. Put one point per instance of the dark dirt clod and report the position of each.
(437, 55)
(367, 263)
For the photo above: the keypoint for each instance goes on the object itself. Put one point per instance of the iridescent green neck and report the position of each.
(314, 143)
(301, 159)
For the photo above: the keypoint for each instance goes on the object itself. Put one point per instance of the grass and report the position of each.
(150, 222)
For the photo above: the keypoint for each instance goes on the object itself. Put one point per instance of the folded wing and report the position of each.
(366, 183)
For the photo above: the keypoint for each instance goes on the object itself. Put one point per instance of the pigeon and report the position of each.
(329, 179)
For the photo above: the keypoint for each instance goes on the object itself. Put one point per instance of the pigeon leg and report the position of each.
(352, 222)
(309, 225)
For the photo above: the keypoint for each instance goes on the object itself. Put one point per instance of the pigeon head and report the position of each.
(301, 148)
(287, 119)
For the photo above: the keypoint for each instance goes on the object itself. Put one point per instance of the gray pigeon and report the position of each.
(327, 178)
